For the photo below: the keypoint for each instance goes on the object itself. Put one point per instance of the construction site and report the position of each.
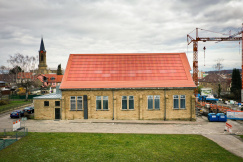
(206, 103)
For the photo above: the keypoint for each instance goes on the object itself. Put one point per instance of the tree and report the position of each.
(236, 84)
(15, 70)
(24, 78)
(219, 90)
(59, 70)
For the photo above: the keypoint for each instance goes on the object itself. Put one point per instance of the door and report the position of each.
(85, 107)
(57, 113)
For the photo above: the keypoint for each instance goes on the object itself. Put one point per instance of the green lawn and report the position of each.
(114, 147)
(13, 104)
(241, 136)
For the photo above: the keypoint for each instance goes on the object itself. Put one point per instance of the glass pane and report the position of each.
(176, 104)
(124, 97)
(150, 97)
(98, 104)
(73, 105)
(183, 103)
(131, 104)
(157, 97)
(156, 103)
(57, 103)
(72, 97)
(131, 97)
(105, 97)
(183, 96)
(80, 104)
(105, 104)
(150, 102)
(98, 97)
(124, 104)
(175, 96)
(80, 97)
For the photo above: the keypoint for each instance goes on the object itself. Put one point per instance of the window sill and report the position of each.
(103, 110)
(179, 109)
(153, 109)
(127, 109)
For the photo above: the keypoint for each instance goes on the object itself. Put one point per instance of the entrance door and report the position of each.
(57, 113)
(85, 107)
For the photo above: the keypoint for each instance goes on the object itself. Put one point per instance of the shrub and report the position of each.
(4, 102)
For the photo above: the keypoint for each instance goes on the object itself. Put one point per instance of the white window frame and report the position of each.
(153, 102)
(82, 102)
(127, 101)
(179, 102)
(182, 99)
(74, 102)
(102, 103)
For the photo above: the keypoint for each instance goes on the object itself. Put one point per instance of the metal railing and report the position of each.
(8, 136)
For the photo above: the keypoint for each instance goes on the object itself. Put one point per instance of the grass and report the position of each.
(241, 136)
(114, 147)
(13, 104)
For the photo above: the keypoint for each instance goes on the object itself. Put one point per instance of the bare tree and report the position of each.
(24, 78)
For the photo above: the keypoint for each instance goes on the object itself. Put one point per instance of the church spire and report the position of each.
(42, 47)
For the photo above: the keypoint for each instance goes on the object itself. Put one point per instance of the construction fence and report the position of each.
(8, 136)
(213, 107)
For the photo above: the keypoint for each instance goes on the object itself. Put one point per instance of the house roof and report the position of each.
(49, 96)
(132, 70)
(212, 78)
(25, 75)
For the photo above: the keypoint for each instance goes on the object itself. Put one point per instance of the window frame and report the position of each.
(45, 103)
(82, 102)
(127, 102)
(153, 102)
(184, 101)
(179, 102)
(102, 103)
(56, 105)
(74, 102)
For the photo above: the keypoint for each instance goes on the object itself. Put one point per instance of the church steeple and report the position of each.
(42, 67)
(42, 47)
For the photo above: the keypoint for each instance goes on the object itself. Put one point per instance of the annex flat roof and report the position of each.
(130, 70)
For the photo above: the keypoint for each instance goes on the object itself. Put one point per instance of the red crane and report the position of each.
(204, 39)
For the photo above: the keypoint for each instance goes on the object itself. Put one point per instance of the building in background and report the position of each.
(155, 86)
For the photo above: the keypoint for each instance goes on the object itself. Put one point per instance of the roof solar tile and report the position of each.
(127, 71)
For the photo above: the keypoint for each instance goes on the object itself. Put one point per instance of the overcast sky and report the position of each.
(124, 26)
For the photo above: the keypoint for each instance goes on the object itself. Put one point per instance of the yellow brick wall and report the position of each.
(45, 112)
(140, 105)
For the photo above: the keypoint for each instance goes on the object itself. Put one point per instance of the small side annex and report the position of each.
(134, 86)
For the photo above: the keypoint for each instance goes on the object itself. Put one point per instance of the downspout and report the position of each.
(192, 106)
(165, 104)
(113, 103)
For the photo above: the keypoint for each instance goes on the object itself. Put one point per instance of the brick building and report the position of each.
(154, 86)
(213, 81)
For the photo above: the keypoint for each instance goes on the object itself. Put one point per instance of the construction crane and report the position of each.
(195, 41)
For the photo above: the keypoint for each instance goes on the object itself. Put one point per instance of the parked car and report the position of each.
(29, 110)
(16, 114)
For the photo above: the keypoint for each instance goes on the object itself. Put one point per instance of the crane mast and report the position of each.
(195, 41)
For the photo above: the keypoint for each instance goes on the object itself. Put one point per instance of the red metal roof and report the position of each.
(139, 70)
